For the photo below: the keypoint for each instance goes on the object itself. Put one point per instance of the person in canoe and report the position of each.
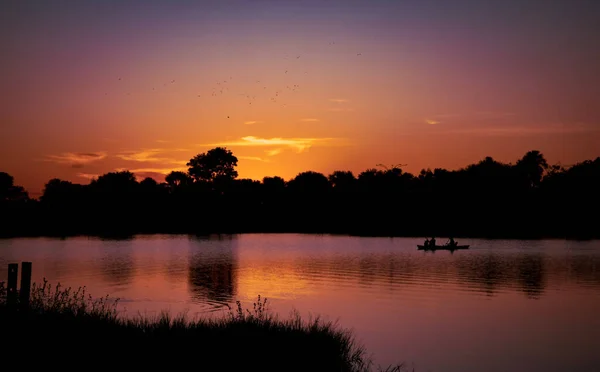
(451, 242)
(432, 242)
(426, 244)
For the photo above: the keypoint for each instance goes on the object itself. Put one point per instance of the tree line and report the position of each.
(527, 199)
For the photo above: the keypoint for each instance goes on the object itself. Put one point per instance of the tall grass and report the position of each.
(71, 323)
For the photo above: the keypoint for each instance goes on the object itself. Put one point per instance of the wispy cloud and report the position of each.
(76, 159)
(255, 158)
(250, 122)
(273, 152)
(338, 100)
(309, 119)
(149, 155)
(299, 144)
(432, 122)
(163, 141)
(87, 176)
(340, 109)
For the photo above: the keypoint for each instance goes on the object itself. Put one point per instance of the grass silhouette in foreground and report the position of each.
(62, 323)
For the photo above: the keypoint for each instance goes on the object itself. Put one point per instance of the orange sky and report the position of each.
(89, 88)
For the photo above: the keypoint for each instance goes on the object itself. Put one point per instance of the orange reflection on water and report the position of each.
(502, 305)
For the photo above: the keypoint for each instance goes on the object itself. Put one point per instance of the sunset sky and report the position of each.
(89, 87)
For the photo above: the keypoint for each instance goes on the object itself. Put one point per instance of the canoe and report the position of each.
(442, 247)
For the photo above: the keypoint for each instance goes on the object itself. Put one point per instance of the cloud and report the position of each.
(256, 158)
(340, 109)
(76, 159)
(309, 119)
(299, 144)
(87, 176)
(163, 141)
(273, 152)
(432, 122)
(149, 155)
(338, 100)
(252, 122)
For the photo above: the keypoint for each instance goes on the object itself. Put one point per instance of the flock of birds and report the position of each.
(222, 87)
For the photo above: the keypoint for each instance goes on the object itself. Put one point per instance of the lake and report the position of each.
(503, 305)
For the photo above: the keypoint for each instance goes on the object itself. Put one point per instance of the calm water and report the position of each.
(500, 306)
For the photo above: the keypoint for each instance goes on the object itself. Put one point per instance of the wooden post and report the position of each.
(25, 290)
(11, 295)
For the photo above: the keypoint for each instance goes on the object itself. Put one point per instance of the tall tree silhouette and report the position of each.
(218, 163)
(532, 167)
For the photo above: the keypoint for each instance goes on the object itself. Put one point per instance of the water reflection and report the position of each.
(486, 273)
(209, 267)
(116, 264)
(213, 269)
(394, 296)
(531, 275)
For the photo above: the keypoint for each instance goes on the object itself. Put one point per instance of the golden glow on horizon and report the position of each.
(298, 144)
(149, 156)
(284, 97)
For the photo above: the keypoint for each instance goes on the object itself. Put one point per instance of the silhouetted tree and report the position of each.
(309, 182)
(342, 180)
(8, 190)
(485, 199)
(149, 183)
(274, 184)
(6, 182)
(115, 181)
(370, 178)
(57, 191)
(218, 163)
(177, 178)
(532, 167)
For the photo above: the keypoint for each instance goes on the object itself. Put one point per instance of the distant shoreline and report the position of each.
(526, 200)
(130, 235)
